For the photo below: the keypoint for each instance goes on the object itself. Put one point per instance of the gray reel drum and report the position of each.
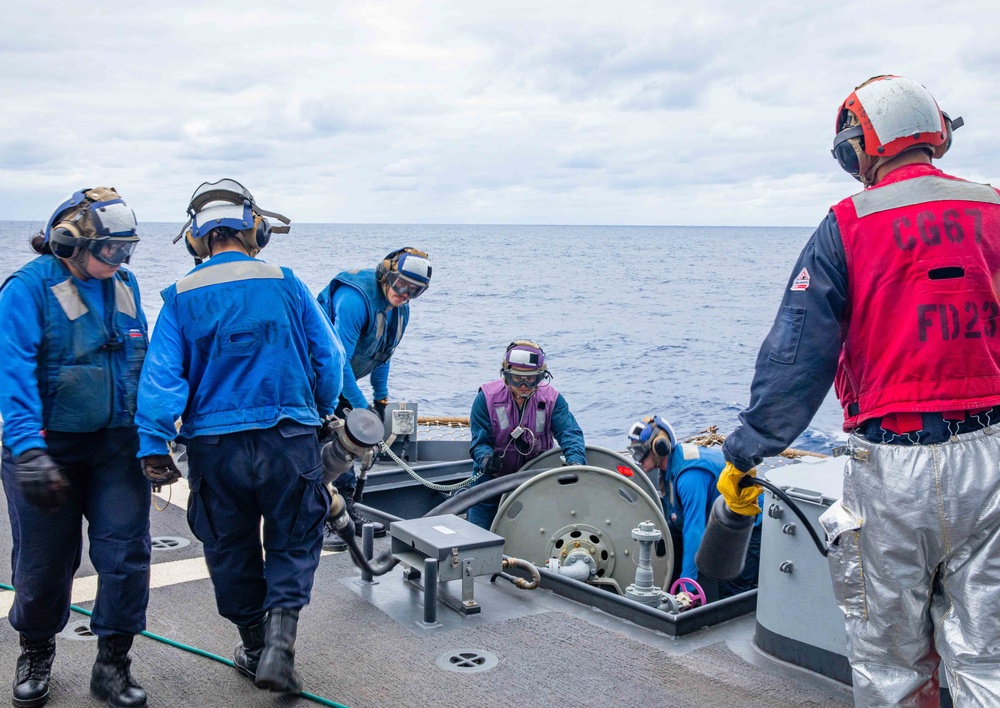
(584, 516)
(599, 457)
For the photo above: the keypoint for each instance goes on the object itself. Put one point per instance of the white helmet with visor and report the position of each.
(95, 221)
(407, 271)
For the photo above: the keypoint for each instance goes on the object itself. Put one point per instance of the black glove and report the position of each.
(40, 480)
(326, 431)
(378, 408)
(160, 470)
(490, 465)
(343, 408)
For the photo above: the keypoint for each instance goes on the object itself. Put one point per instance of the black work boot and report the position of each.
(248, 651)
(331, 541)
(276, 668)
(111, 678)
(357, 517)
(34, 666)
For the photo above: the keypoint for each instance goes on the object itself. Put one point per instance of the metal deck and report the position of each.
(361, 644)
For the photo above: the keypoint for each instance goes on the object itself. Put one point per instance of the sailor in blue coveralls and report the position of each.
(243, 355)
(74, 342)
(369, 310)
(688, 475)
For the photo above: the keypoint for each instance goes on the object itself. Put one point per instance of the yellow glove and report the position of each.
(742, 500)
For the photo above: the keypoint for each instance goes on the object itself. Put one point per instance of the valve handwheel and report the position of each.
(692, 588)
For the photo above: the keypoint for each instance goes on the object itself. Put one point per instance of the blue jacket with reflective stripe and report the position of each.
(690, 480)
(65, 366)
(368, 326)
(238, 345)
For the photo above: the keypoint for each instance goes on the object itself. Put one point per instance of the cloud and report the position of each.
(25, 155)
(454, 112)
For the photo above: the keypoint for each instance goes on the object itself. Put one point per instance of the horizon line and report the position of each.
(442, 223)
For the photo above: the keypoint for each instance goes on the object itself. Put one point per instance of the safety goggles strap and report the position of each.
(275, 215)
(847, 134)
(183, 231)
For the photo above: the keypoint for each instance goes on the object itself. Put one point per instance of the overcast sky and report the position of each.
(543, 112)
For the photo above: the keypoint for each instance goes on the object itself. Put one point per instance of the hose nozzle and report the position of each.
(355, 437)
(724, 545)
(339, 518)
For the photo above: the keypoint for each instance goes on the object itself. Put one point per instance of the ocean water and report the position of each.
(633, 320)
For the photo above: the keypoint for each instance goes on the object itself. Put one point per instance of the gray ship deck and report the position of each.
(361, 645)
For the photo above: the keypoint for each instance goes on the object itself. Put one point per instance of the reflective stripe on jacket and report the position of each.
(249, 359)
(535, 418)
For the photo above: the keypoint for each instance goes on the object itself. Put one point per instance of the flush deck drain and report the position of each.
(169, 543)
(78, 631)
(467, 661)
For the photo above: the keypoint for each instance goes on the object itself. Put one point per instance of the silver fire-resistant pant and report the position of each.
(916, 569)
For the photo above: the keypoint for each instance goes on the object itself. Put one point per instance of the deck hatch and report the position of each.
(168, 543)
(467, 661)
(79, 631)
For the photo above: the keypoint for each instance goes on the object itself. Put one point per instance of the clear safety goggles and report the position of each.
(516, 380)
(638, 436)
(111, 252)
(403, 287)
(639, 451)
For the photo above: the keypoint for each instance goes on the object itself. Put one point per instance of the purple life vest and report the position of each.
(535, 420)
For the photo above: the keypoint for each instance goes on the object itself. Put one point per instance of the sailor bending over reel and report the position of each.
(688, 477)
(518, 417)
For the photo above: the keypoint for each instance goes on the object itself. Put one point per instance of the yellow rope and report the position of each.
(170, 495)
(710, 437)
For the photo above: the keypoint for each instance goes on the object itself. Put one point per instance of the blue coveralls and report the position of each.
(242, 353)
(370, 329)
(69, 368)
(690, 479)
(566, 430)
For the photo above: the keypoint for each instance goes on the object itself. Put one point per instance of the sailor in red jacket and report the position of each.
(894, 300)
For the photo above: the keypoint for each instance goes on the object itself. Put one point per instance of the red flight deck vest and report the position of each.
(923, 267)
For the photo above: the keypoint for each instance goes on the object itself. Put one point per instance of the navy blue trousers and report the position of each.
(347, 481)
(238, 479)
(107, 488)
(483, 513)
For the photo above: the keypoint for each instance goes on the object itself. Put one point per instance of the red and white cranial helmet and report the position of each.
(887, 115)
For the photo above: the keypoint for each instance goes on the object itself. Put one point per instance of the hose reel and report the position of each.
(580, 519)
(599, 457)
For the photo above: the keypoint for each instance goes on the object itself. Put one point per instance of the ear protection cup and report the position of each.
(385, 266)
(661, 445)
(662, 442)
(262, 230)
(64, 239)
(197, 247)
(949, 126)
(848, 157)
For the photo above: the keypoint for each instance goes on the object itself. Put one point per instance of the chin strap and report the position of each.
(867, 174)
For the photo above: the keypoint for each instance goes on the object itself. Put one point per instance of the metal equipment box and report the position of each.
(453, 542)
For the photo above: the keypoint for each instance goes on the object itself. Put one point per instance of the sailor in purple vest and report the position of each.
(516, 418)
